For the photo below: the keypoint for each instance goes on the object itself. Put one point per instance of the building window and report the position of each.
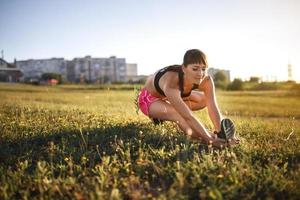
(82, 69)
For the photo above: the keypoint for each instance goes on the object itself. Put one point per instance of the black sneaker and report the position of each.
(227, 129)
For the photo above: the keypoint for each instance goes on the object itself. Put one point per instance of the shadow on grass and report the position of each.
(93, 143)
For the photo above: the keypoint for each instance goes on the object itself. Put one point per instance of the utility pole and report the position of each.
(90, 74)
(290, 74)
(2, 54)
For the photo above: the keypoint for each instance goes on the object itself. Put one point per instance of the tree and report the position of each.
(236, 84)
(254, 79)
(220, 80)
(220, 77)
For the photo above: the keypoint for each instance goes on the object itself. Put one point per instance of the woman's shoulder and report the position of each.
(166, 76)
(170, 79)
(207, 80)
(170, 68)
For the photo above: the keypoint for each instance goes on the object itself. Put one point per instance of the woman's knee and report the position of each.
(196, 101)
(201, 101)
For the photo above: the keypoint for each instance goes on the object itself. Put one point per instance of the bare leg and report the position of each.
(165, 111)
(162, 110)
(196, 101)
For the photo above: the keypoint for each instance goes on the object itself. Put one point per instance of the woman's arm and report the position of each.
(173, 95)
(213, 110)
(174, 98)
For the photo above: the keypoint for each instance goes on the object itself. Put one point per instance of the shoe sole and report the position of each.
(228, 128)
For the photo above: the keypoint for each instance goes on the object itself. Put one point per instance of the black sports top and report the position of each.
(173, 68)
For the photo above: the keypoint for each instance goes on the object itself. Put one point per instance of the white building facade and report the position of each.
(84, 69)
(33, 69)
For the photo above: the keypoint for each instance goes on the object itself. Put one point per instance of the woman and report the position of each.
(170, 95)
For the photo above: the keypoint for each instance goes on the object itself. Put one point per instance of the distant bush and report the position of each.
(140, 81)
(296, 88)
(266, 86)
(220, 76)
(236, 84)
(221, 85)
(291, 82)
(101, 87)
(49, 76)
(220, 80)
(254, 79)
(118, 82)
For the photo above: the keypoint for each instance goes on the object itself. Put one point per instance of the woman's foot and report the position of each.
(227, 129)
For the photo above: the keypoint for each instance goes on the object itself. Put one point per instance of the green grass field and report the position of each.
(87, 142)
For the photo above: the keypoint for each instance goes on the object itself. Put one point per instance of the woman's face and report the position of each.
(195, 72)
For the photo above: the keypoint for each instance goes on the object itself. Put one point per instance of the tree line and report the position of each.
(254, 83)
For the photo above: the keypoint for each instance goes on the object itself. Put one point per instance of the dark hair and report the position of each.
(194, 56)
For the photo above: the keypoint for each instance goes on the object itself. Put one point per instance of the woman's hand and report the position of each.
(233, 142)
(221, 143)
(218, 142)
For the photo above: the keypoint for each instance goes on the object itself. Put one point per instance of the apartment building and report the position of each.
(34, 68)
(81, 69)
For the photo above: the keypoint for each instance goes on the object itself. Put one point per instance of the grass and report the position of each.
(72, 142)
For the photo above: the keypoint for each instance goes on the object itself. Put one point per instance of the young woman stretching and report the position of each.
(170, 95)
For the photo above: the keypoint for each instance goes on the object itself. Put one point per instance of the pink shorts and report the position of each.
(145, 100)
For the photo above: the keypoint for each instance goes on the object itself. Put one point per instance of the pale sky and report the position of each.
(247, 37)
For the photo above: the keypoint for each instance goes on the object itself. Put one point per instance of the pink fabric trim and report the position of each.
(145, 100)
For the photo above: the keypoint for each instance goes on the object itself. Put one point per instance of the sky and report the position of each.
(247, 37)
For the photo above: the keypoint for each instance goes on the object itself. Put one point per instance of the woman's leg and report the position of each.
(165, 111)
(196, 101)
